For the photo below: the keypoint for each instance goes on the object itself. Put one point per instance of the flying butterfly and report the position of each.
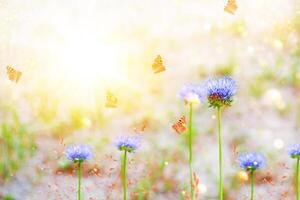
(111, 100)
(231, 6)
(180, 125)
(13, 74)
(158, 65)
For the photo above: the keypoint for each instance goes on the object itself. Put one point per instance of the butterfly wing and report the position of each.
(231, 6)
(111, 100)
(180, 125)
(158, 65)
(13, 74)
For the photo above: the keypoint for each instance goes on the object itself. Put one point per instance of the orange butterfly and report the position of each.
(13, 74)
(111, 100)
(231, 6)
(180, 125)
(158, 65)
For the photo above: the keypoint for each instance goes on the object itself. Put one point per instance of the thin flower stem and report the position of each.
(220, 156)
(252, 184)
(79, 180)
(191, 151)
(297, 178)
(124, 175)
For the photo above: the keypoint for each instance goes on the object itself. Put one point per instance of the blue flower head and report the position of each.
(78, 153)
(251, 161)
(127, 143)
(191, 93)
(294, 151)
(220, 91)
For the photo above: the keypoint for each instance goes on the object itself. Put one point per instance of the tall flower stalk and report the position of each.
(191, 94)
(219, 93)
(78, 154)
(297, 178)
(252, 184)
(251, 162)
(220, 154)
(124, 174)
(127, 145)
(191, 151)
(294, 152)
(79, 174)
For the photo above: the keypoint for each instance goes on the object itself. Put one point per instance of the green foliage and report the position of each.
(142, 190)
(16, 145)
(296, 51)
(157, 179)
(293, 76)
(64, 164)
(8, 197)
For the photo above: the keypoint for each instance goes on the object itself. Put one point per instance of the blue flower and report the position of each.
(127, 143)
(191, 93)
(220, 91)
(294, 151)
(78, 153)
(251, 161)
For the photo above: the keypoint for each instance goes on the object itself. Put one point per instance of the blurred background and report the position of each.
(71, 52)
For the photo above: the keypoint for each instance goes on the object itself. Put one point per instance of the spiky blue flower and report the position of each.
(294, 151)
(191, 93)
(128, 143)
(78, 153)
(220, 91)
(251, 161)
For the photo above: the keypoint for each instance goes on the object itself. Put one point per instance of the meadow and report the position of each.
(127, 77)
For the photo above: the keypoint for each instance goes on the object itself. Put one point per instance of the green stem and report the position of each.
(124, 175)
(252, 184)
(191, 151)
(220, 156)
(297, 178)
(79, 180)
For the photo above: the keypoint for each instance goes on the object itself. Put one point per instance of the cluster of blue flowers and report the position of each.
(78, 153)
(294, 151)
(128, 144)
(216, 91)
(220, 91)
(191, 93)
(251, 161)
